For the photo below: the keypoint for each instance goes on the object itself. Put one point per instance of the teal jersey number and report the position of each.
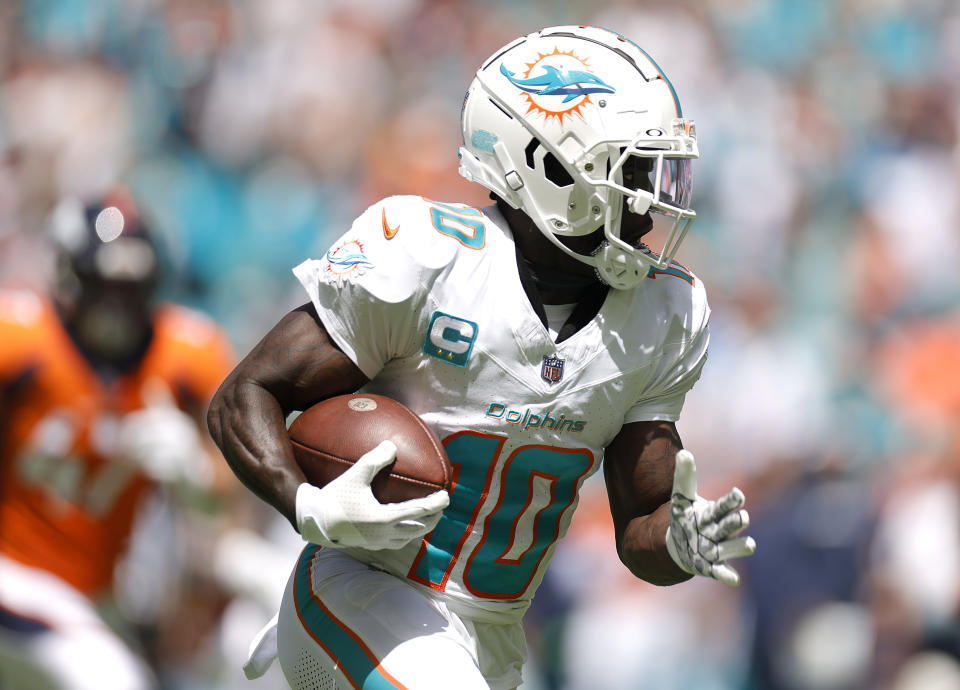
(462, 224)
(537, 484)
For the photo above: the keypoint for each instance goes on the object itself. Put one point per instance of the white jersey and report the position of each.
(426, 299)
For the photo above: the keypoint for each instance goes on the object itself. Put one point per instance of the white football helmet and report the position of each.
(570, 122)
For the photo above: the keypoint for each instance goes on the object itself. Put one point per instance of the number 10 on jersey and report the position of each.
(537, 484)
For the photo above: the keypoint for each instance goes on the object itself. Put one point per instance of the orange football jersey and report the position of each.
(67, 501)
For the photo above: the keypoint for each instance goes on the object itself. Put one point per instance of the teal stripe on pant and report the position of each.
(355, 659)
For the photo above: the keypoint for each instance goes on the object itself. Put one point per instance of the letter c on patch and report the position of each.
(450, 338)
(453, 335)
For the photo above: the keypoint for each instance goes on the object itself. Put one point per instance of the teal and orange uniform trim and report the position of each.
(353, 657)
(674, 269)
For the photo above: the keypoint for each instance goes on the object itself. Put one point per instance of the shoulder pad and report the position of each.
(682, 293)
(430, 233)
(21, 307)
(187, 325)
(395, 245)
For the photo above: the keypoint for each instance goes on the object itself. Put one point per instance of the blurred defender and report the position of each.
(539, 337)
(100, 392)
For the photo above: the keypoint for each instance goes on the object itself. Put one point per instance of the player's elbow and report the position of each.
(665, 580)
(213, 418)
(653, 567)
(219, 410)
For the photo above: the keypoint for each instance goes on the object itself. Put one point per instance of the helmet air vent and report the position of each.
(554, 171)
(529, 151)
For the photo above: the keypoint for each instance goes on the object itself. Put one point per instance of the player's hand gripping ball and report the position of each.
(332, 435)
(377, 477)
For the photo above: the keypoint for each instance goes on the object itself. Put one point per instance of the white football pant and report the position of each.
(344, 624)
(51, 638)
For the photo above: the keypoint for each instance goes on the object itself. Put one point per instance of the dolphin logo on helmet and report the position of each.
(555, 82)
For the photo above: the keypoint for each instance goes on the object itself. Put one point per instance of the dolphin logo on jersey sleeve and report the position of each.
(345, 262)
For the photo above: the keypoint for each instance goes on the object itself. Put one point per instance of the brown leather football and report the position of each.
(330, 436)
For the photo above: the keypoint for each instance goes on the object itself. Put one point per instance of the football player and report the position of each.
(101, 395)
(540, 337)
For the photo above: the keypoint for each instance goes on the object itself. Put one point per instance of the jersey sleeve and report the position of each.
(684, 354)
(371, 286)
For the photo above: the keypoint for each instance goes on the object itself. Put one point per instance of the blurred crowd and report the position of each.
(828, 236)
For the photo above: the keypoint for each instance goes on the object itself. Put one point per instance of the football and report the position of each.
(330, 436)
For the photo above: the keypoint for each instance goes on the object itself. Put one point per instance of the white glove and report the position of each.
(162, 440)
(700, 536)
(345, 513)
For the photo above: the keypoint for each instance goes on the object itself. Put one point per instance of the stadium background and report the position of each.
(828, 237)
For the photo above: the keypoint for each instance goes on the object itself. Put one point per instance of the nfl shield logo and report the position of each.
(552, 370)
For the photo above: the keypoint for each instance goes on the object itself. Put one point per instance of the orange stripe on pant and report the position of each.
(353, 657)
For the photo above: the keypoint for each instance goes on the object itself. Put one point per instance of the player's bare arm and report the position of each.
(293, 366)
(639, 469)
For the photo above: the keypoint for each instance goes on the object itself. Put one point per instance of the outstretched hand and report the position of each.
(702, 535)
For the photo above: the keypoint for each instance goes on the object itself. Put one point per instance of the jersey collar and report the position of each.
(591, 300)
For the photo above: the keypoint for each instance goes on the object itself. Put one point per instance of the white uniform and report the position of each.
(427, 300)
(52, 637)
